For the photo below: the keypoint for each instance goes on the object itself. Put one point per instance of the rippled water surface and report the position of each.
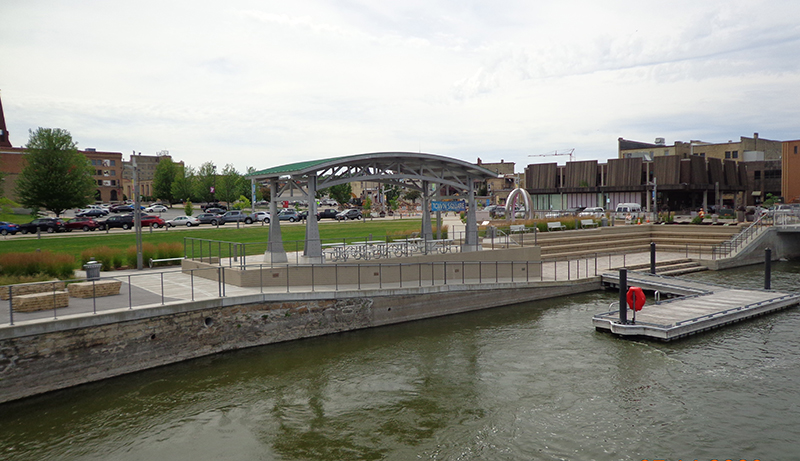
(530, 381)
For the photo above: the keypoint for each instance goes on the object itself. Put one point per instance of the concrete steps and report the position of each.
(675, 267)
(575, 244)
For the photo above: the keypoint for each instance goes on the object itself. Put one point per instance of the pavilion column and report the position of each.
(313, 246)
(427, 229)
(275, 250)
(471, 239)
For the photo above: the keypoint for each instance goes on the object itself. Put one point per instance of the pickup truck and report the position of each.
(327, 213)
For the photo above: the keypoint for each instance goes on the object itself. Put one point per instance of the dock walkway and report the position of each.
(696, 307)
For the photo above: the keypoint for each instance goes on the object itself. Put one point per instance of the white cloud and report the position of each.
(263, 84)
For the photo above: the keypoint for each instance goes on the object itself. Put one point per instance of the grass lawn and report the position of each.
(75, 242)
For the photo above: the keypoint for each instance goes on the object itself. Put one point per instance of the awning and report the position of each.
(756, 193)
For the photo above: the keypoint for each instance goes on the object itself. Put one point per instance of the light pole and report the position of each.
(137, 212)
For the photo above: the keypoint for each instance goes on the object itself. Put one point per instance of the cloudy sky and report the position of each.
(264, 83)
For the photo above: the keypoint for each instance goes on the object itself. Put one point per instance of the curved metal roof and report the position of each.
(381, 166)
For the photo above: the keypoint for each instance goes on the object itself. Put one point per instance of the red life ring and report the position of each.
(639, 298)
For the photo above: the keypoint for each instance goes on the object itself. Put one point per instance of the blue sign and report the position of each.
(453, 205)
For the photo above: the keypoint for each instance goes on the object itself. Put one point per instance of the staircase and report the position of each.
(673, 267)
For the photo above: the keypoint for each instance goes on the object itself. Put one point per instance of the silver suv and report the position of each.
(234, 216)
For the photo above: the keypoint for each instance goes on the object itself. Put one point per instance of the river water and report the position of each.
(532, 381)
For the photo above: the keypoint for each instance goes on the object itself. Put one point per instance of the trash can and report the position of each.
(603, 222)
(92, 269)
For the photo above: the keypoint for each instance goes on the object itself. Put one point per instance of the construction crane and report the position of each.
(554, 153)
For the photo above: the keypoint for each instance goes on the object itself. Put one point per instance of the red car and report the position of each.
(152, 220)
(82, 222)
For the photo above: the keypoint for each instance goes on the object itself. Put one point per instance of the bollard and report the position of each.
(767, 268)
(623, 292)
(653, 258)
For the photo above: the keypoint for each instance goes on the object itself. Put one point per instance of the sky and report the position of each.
(265, 83)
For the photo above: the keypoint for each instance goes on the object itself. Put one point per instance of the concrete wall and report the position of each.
(475, 265)
(49, 355)
(781, 244)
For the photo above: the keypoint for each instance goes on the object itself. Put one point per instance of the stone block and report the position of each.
(96, 289)
(19, 290)
(40, 301)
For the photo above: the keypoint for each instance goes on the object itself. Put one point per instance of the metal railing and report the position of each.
(175, 286)
(742, 239)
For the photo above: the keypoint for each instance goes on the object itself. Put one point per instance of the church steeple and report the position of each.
(4, 142)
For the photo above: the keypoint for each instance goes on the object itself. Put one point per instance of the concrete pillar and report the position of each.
(275, 252)
(313, 246)
(427, 228)
(471, 239)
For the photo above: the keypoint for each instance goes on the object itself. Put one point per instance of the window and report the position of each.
(99, 172)
(99, 182)
(727, 154)
(795, 149)
(735, 154)
(113, 172)
(757, 175)
(113, 163)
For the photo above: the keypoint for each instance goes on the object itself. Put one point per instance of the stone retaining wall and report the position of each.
(41, 357)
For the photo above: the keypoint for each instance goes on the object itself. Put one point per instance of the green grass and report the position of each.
(77, 241)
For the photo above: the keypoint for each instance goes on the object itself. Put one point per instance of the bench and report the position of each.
(19, 290)
(40, 301)
(163, 260)
(587, 223)
(555, 225)
(96, 289)
(518, 228)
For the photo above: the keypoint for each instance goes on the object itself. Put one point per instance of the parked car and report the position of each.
(121, 208)
(593, 212)
(209, 218)
(218, 205)
(156, 209)
(574, 211)
(234, 216)
(352, 213)
(218, 211)
(289, 215)
(48, 225)
(124, 221)
(81, 222)
(153, 221)
(92, 213)
(187, 221)
(260, 216)
(327, 213)
(8, 228)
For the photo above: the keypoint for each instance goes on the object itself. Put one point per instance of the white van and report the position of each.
(626, 210)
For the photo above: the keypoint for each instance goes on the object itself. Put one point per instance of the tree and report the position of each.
(163, 178)
(341, 193)
(230, 184)
(413, 195)
(206, 182)
(56, 176)
(183, 187)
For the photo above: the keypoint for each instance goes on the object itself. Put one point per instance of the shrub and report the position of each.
(148, 251)
(38, 262)
(697, 220)
(110, 258)
(169, 250)
(187, 208)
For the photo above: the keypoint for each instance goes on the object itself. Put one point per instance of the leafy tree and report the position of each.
(230, 184)
(206, 180)
(391, 192)
(188, 209)
(413, 195)
(265, 192)
(341, 193)
(183, 187)
(165, 174)
(242, 203)
(56, 176)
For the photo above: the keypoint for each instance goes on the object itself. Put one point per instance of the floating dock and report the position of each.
(692, 307)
